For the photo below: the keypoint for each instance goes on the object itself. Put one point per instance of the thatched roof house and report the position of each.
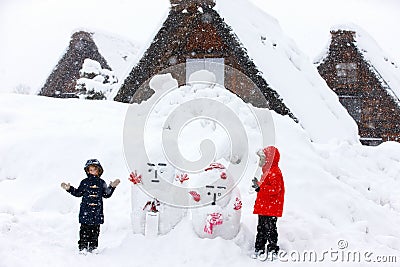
(240, 37)
(112, 53)
(62, 81)
(195, 31)
(366, 81)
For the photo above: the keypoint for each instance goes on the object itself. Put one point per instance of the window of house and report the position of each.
(214, 65)
(353, 106)
(346, 72)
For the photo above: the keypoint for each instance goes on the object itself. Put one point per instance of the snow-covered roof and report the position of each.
(288, 71)
(385, 69)
(119, 52)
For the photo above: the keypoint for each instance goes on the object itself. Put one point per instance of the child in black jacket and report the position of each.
(92, 190)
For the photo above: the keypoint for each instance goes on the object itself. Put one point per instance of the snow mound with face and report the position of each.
(187, 130)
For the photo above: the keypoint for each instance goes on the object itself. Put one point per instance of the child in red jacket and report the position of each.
(269, 202)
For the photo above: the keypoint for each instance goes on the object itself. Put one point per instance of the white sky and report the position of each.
(35, 33)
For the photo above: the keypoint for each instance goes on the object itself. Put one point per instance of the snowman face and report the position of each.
(164, 182)
(215, 192)
(157, 171)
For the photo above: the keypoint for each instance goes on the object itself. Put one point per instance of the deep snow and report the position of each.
(334, 191)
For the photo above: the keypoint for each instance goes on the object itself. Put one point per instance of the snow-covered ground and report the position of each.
(342, 199)
(334, 191)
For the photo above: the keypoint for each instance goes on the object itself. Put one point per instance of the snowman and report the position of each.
(150, 216)
(220, 213)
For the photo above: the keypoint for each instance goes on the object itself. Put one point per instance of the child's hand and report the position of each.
(115, 183)
(65, 186)
(255, 185)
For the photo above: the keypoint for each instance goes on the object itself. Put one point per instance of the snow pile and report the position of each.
(335, 191)
(95, 82)
(200, 111)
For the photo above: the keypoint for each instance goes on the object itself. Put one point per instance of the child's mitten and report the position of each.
(255, 185)
(65, 186)
(115, 183)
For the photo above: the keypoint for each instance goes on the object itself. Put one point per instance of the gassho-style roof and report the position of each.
(379, 62)
(283, 66)
(111, 51)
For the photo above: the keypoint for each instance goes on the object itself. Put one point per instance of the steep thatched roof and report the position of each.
(366, 81)
(197, 33)
(62, 80)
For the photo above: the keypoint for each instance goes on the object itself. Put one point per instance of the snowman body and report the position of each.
(221, 214)
(149, 215)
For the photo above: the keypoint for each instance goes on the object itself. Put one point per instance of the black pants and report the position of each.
(89, 236)
(267, 232)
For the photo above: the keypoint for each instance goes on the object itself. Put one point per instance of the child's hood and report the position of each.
(93, 162)
(272, 157)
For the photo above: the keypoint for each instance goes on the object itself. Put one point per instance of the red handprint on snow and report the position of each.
(195, 195)
(223, 175)
(181, 178)
(153, 205)
(135, 178)
(238, 204)
(215, 165)
(212, 220)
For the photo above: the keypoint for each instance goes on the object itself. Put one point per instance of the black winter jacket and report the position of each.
(92, 190)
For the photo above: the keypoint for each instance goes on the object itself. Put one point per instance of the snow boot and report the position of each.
(260, 255)
(83, 251)
(272, 251)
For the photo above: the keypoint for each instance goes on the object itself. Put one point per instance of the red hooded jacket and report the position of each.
(270, 197)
